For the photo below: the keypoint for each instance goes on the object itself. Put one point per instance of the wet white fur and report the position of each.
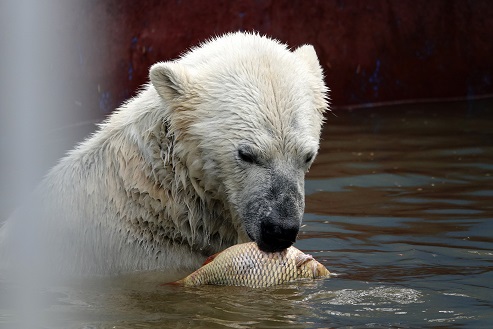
(158, 185)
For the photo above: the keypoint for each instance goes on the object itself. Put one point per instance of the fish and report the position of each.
(246, 265)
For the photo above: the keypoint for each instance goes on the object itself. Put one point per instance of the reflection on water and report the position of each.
(399, 205)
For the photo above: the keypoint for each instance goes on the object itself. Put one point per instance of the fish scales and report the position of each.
(246, 265)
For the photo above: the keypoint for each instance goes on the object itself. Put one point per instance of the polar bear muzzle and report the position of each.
(274, 212)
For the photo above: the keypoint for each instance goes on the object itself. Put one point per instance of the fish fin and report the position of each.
(210, 258)
(174, 283)
(302, 259)
(315, 269)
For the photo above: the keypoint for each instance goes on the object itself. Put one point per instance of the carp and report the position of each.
(246, 265)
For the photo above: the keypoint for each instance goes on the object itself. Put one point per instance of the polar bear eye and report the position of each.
(247, 156)
(309, 157)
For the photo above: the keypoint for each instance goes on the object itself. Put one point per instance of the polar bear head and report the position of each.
(247, 114)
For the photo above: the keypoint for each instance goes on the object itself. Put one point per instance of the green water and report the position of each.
(399, 205)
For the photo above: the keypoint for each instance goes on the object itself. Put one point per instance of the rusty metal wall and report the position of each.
(372, 51)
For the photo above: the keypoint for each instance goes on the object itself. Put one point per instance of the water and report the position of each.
(399, 205)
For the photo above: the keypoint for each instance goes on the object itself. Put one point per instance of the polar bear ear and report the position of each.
(309, 56)
(170, 79)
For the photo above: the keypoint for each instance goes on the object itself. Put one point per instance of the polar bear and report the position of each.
(212, 152)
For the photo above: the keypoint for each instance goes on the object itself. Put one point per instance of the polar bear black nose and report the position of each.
(274, 237)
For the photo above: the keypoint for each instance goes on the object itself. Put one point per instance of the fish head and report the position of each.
(320, 270)
(309, 265)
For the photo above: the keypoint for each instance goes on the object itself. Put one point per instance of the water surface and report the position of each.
(399, 205)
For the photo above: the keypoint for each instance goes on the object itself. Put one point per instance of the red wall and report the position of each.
(372, 51)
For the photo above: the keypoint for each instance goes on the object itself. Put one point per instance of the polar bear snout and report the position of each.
(273, 214)
(274, 237)
(273, 229)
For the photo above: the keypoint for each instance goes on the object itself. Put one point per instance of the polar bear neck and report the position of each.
(136, 188)
(160, 179)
